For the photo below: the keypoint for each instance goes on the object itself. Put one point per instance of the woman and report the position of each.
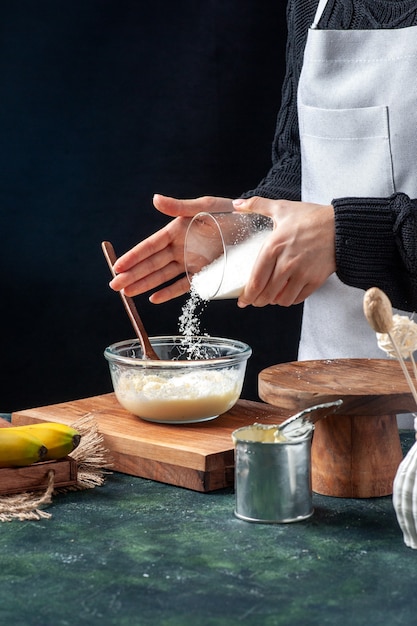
(342, 186)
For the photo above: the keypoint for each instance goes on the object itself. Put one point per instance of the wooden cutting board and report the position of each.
(195, 456)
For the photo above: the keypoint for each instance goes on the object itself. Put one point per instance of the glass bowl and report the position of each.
(197, 378)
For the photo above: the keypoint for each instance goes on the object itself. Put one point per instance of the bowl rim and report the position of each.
(245, 351)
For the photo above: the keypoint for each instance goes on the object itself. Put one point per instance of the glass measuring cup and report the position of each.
(220, 250)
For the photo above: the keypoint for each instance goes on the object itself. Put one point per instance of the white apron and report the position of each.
(357, 108)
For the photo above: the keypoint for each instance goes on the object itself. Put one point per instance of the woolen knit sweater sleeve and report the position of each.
(376, 238)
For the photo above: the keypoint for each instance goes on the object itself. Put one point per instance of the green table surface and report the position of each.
(136, 552)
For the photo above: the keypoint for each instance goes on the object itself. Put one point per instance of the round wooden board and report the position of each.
(366, 386)
(356, 451)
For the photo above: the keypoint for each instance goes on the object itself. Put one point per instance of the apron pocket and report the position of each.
(345, 152)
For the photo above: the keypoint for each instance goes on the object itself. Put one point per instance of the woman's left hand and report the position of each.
(298, 256)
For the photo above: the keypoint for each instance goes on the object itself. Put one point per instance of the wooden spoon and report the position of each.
(148, 351)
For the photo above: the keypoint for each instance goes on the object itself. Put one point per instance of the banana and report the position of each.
(18, 449)
(58, 438)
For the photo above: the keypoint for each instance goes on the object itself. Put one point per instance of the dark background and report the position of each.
(102, 104)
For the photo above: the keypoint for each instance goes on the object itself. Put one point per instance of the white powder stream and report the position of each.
(190, 327)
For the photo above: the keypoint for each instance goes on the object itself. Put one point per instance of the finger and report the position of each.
(133, 286)
(294, 292)
(304, 294)
(256, 292)
(179, 288)
(165, 261)
(153, 281)
(190, 207)
(266, 280)
(287, 295)
(256, 204)
(143, 250)
(169, 239)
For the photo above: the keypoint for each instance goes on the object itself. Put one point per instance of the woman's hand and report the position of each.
(296, 258)
(160, 258)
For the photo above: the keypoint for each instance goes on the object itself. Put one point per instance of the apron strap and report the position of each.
(319, 12)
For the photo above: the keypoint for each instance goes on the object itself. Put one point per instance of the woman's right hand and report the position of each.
(160, 258)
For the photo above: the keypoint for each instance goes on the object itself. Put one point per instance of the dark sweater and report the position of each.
(376, 238)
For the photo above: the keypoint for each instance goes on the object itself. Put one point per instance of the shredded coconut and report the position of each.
(404, 331)
(190, 326)
(226, 276)
(185, 396)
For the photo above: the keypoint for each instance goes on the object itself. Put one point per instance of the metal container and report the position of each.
(272, 476)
